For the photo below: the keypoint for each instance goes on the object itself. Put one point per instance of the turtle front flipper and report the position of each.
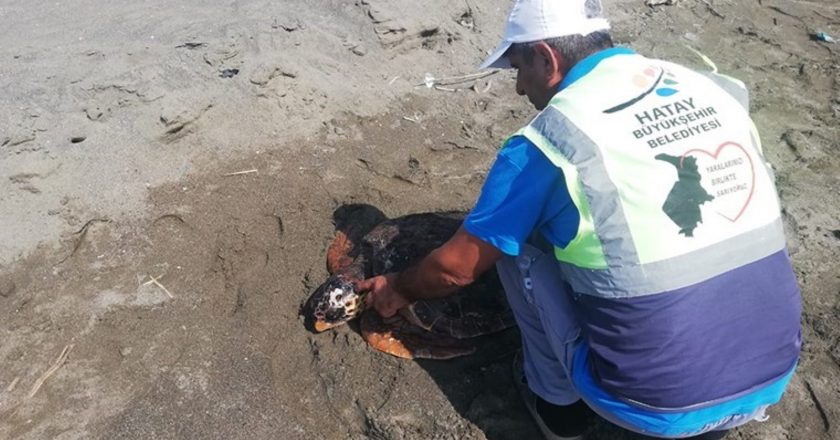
(338, 254)
(480, 308)
(400, 338)
(352, 222)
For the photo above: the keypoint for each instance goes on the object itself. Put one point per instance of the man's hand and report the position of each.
(382, 294)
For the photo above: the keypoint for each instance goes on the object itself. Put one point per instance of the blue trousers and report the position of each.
(541, 302)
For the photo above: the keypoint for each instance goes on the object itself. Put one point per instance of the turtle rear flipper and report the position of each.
(400, 338)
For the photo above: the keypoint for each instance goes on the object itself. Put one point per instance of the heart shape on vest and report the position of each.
(729, 176)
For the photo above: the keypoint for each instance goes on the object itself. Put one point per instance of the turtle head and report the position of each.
(333, 303)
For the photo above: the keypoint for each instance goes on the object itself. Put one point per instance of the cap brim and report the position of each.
(498, 60)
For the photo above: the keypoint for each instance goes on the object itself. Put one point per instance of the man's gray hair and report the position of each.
(572, 48)
(593, 9)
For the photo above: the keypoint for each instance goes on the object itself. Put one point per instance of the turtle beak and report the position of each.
(321, 326)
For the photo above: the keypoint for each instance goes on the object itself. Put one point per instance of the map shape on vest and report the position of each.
(684, 200)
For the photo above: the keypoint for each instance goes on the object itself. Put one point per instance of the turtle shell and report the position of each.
(397, 244)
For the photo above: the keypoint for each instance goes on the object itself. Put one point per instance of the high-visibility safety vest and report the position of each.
(679, 267)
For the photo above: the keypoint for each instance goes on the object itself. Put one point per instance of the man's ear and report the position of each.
(552, 62)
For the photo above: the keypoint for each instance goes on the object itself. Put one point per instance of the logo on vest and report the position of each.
(653, 79)
(660, 124)
(730, 175)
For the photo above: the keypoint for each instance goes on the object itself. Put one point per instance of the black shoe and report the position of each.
(576, 412)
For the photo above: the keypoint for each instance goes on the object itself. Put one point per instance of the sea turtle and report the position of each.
(367, 244)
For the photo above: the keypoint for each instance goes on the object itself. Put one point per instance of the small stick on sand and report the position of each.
(241, 172)
(154, 281)
(12, 385)
(459, 79)
(55, 366)
(414, 120)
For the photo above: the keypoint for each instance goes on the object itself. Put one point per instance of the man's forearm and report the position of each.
(430, 279)
(457, 263)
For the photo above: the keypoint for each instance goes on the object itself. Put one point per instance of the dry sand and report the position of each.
(122, 120)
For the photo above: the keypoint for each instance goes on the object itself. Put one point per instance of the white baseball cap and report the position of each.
(535, 20)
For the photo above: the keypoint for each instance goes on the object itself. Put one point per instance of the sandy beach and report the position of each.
(169, 173)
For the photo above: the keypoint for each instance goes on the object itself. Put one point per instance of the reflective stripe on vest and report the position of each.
(666, 171)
